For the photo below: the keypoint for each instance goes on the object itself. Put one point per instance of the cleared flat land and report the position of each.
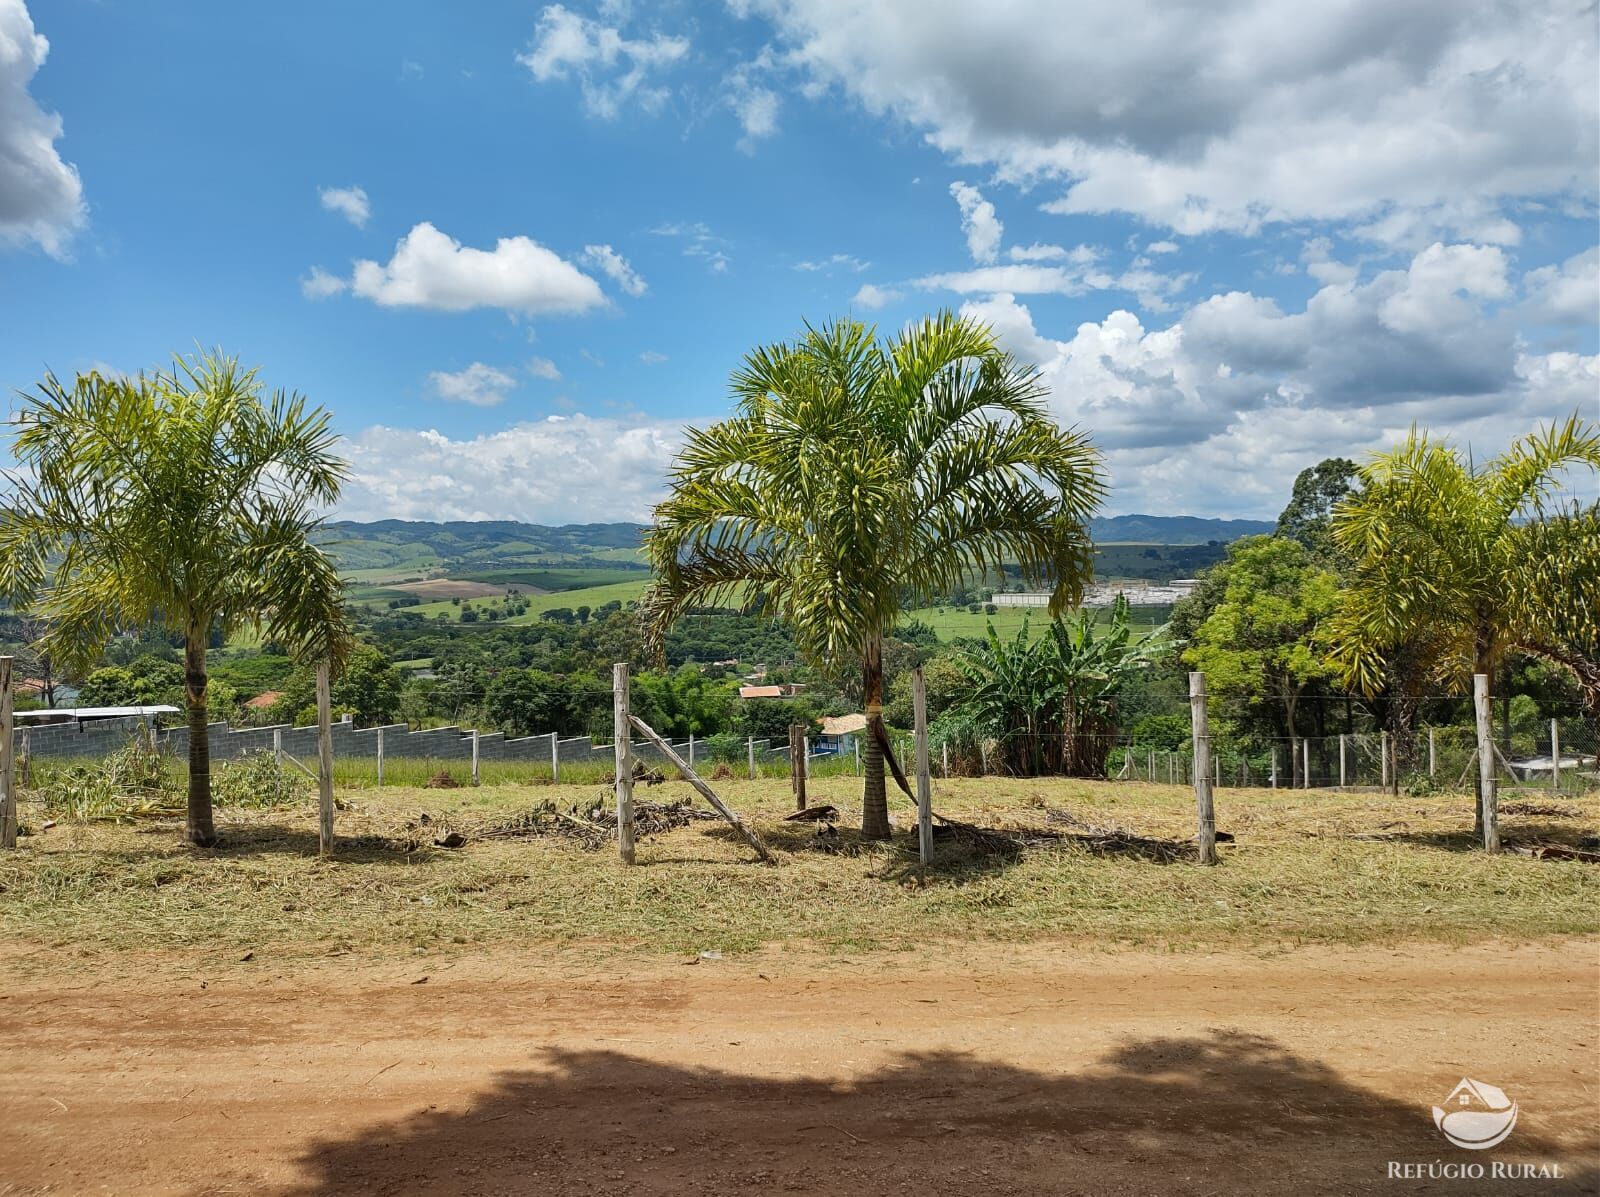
(528, 1016)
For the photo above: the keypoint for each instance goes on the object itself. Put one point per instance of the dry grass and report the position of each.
(1299, 871)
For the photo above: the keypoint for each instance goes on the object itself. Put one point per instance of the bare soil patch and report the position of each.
(1008, 1069)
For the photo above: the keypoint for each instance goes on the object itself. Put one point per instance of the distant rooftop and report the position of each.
(58, 714)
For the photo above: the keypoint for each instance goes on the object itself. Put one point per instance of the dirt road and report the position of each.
(972, 1069)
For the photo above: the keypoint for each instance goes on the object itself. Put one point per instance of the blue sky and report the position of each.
(515, 247)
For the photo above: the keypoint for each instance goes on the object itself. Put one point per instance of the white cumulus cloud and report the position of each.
(1420, 121)
(1243, 393)
(872, 297)
(978, 221)
(319, 284)
(563, 469)
(41, 196)
(478, 384)
(349, 202)
(432, 270)
(612, 70)
(609, 262)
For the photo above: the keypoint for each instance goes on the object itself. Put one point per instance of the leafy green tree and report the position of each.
(860, 479)
(186, 499)
(368, 686)
(1265, 640)
(145, 681)
(1308, 517)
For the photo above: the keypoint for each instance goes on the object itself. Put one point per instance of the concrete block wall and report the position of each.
(102, 737)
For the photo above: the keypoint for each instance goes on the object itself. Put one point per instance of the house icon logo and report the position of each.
(1476, 1115)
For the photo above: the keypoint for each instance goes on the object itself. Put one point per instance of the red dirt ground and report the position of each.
(969, 1069)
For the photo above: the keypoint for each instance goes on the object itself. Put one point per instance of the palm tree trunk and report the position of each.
(200, 829)
(874, 795)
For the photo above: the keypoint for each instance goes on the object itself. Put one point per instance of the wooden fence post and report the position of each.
(474, 756)
(805, 756)
(380, 758)
(1433, 755)
(622, 741)
(750, 753)
(1486, 782)
(555, 756)
(919, 711)
(277, 747)
(8, 779)
(1273, 779)
(1201, 729)
(1555, 756)
(324, 761)
(1151, 778)
(1305, 762)
(944, 757)
(691, 750)
(855, 748)
(1383, 758)
(1344, 746)
(983, 758)
(797, 764)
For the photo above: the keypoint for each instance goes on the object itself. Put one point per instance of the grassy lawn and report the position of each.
(1305, 867)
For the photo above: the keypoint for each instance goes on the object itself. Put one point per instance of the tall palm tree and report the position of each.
(860, 478)
(186, 499)
(1440, 549)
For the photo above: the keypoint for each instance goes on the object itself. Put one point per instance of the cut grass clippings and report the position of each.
(1306, 866)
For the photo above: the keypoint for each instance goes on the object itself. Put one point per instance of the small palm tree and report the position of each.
(185, 499)
(859, 479)
(1439, 549)
(1441, 553)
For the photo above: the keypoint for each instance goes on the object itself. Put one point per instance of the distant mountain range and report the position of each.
(388, 546)
(1175, 529)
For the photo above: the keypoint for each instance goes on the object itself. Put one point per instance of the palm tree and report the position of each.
(185, 499)
(1440, 549)
(859, 479)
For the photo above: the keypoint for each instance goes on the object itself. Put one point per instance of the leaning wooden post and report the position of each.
(797, 765)
(1486, 782)
(8, 789)
(919, 710)
(1555, 756)
(380, 758)
(1201, 728)
(324, 762)
(622, 741)
(1344, 748)
(750, 753)
(474, 756)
